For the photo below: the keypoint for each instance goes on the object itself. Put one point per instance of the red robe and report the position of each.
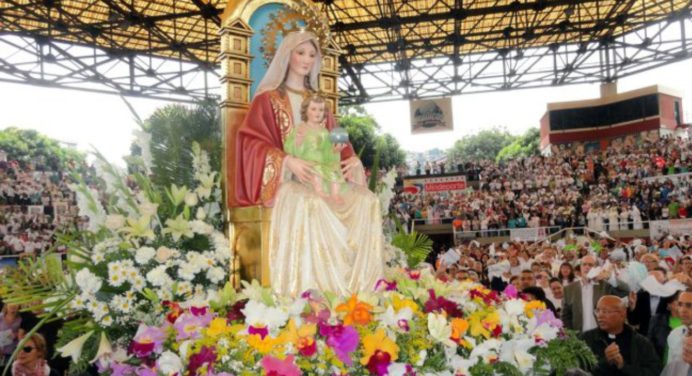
(260, 148)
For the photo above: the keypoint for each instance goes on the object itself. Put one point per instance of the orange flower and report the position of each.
(459, 328)
(356, 312)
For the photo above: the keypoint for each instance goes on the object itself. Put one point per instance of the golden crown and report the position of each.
(289, 20)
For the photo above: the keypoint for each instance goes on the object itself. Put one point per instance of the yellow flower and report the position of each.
(533, 305)
(217, 327)
(482, 323)
(399, 303)
(264, 345)
(356, 312)
(379, 341)
(300, 337)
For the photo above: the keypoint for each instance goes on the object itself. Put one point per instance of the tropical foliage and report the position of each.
(164, 142)
(485, 144)
(364, 133)
(526, 145)
(26, 146)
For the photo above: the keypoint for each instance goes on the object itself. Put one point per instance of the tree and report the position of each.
(364, 135)
(173, 129)
(524, 146)
(485, 144)
(25, 146)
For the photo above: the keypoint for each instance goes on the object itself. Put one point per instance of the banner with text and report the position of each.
(431, 115)
(435, 184)
(674, 227)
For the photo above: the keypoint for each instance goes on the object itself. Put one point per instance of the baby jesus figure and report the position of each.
(310, 141)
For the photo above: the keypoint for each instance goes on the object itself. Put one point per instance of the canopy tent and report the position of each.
(393, 49)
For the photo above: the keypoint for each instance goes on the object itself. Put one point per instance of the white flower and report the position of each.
(104, 349)
(121, 304)
(158, 277)
(116, 279)
(114, 222)
(148, 209)
(201, 214)
(163, 254)
(107, 321)
(439, 329)
(514, 307)
(97, 257)
(169, 363)
(187, 271)
(516, 352)
(184, 288)
(73, 349)
(144, 255)
(87, 281)
(392, 319)
(139, 283)
(258, 314)
(396, 369)
(201, 227)
(215, 274)
(178, 228)
(191, 199)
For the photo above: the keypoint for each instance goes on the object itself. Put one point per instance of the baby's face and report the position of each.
(315, 112)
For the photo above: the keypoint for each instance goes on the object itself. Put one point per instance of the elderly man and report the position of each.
(580, 297)
(618, 348)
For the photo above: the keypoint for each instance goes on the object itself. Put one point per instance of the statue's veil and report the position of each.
(276, 73)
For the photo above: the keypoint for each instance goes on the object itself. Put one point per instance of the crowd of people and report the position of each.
(617, 189)
(34, 203)
(630, 302)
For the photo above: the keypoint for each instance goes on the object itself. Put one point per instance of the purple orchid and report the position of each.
(342, 339)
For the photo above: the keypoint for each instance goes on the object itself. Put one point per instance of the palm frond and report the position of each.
(416, 246)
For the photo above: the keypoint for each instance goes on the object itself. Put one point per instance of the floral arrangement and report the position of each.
(143, 246)
(144, 291)
(411, 324)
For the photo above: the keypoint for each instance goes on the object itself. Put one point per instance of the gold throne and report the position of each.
(248, 227)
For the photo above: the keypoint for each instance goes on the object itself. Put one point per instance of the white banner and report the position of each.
(528, 234)
(675, 227)
(431, 115)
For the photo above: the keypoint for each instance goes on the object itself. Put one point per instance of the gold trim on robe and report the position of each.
(271, 176)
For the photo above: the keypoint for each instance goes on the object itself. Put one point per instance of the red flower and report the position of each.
(174, 311)
(379, 362)
(141, 350)
(440, 304)
(206, 356)
(235, 313)
(497, 331)
(308, 347)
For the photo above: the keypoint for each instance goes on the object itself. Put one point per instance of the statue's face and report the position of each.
(315, 112)
(302, 59)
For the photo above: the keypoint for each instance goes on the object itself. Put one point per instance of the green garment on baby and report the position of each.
(317, 148)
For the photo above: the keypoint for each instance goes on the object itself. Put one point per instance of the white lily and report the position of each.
(516, 352)
(73, 349)
(104, 349)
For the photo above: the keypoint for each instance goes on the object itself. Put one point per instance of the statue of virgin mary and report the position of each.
(314, 243)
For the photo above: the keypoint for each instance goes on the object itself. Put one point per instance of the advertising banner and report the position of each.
(435, 184)
(431, 115)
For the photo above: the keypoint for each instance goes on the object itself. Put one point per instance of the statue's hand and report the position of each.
(301, 169)
(348, 165)
(339, 147)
